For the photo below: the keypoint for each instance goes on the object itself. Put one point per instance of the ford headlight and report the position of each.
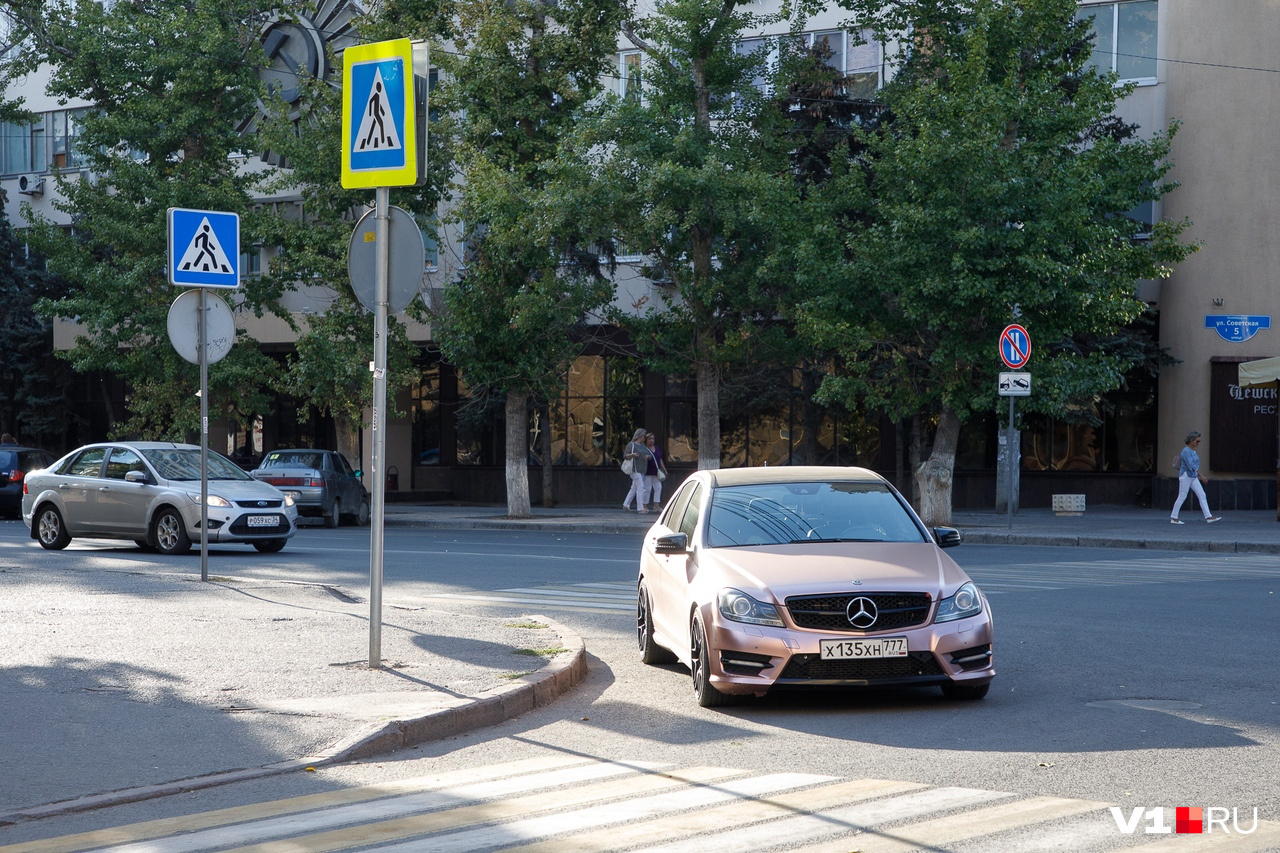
(965, 602)
(214, 500)
(288, 499)
(737, 606)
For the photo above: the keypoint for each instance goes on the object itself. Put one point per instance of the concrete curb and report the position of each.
(492, 707)
(983, 537)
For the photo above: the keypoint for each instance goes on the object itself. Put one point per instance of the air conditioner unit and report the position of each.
(31, 185)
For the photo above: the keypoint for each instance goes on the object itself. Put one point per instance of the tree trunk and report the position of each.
(935, 475)
(548, 498)
(708, 414)
(518, 454)
(348, 438)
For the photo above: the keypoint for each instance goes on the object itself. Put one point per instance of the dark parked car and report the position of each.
(15, 463)
(321, 482)
(149, 491)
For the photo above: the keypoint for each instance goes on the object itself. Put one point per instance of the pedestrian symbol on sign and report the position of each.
(377, 132)
(205, 253)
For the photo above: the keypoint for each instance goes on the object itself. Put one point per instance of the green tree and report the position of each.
(693, 170)
(999, 185)
(170, 83)
(517, 77)
(329, 367)
(33, 400)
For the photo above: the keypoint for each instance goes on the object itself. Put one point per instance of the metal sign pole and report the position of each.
(1009, 458)
(382, 271)
(203, 335)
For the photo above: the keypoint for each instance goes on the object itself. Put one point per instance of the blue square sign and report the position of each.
(204, 248)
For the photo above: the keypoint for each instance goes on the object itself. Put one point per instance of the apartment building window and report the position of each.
(629, 76)
(831, 45)
(865, 70)
(1124, 38)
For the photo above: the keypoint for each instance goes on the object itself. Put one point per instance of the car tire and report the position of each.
(170, 533)
(334, 516)
(965, 692)
(363, 515)
(51, 530)
(700, 668)
(270, 546)
(650, 652)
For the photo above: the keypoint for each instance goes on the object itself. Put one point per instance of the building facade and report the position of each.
(1210, 67)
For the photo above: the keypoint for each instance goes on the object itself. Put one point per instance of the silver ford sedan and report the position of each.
(766, 578)
(149, 491)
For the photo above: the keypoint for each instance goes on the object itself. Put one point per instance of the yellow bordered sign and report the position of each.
(381, 144)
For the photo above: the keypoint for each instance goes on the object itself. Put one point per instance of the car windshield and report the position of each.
(174, 463)
(292, 459)
(780, 513)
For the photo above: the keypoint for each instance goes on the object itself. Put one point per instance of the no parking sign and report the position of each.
(1015, 346)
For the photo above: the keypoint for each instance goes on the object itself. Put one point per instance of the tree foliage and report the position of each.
(692, 169)
(998, 185)
(33, 398)
(519, 75)
(169, 84)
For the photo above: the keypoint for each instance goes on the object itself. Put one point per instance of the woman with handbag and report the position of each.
(634, 460)
(654, 474)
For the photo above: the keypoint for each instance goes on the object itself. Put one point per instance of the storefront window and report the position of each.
(584, 412)
(426, 416)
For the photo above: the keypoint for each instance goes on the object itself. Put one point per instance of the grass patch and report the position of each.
(543, 653)
(512, 676)
(527, 624)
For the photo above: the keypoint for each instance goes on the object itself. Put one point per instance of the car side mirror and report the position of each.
(947, 537)
(672, 543)
(136, 477)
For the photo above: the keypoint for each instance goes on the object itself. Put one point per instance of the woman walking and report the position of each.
(1190, 478)
(654, 474)
(638, 455)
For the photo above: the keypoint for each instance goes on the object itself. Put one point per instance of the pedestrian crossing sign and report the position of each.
(380, 116)
(204, 248)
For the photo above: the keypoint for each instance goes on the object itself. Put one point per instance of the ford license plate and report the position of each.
(261, 521)
(881, 647)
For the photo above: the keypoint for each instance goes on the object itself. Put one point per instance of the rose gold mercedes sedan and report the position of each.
(763, 578)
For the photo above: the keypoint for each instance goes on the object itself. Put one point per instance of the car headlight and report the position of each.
(965, 602)
(214, 500)
(288, 499)
(737, 606)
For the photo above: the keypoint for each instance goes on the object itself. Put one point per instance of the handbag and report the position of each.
(628, 466)
(662, 475)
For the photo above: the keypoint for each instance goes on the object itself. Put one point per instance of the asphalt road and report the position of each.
(1130, 678)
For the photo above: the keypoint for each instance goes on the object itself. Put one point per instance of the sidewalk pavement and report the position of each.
(1255, 531)
(134, 683)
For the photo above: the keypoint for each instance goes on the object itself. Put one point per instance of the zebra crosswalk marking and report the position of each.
(684, 825)
(310, 802)
(850, 819)
(572, 804)
(502, 835)
(485, 813)
(438, 805)
(961, 827)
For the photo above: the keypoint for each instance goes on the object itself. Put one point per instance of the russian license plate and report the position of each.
(261, 521)
(881, 647)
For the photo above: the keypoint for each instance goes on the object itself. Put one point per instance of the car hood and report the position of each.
(233, 490)
(808, 569)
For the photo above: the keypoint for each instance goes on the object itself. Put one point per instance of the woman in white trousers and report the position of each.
(639, 456)
(1189, 479)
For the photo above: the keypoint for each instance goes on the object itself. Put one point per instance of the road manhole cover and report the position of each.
(1146, 704)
